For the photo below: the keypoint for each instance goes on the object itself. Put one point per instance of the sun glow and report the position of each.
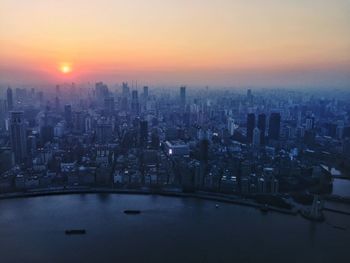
(65, 68)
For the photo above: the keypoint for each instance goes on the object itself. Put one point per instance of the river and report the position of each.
(169, 229)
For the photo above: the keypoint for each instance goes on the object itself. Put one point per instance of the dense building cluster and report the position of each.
(229, 141)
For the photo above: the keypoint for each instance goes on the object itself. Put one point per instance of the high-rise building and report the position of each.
(309, 123)
(103, 131)
(9, 99)
(125, 89)
(155, 142)
(68, 114)
(183, 97)
(249, 96)
(101, 91)
(145, 92)
(262, 127)
(79, 122)
(3, 113)
(124, 103)
(256, 137)
(46, 133)
(18, 136)
(143, 133)
(274, 126)
(58, 90)
(135, 106)
(109, 105)
(231, 126)
(57, 104)
(250, 127)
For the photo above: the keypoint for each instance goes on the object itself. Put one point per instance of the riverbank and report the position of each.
(173, 193)
(217, 197)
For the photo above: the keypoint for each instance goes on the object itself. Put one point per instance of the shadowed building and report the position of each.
(18, 136)
(274, 126)
(262, 127)
(250, 127)
(9, 96)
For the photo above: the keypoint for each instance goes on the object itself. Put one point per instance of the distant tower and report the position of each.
(274, 126)
(78, 122)
(125, 96)
(57, 104)
(18, 136)
(145, 92)
(125, 89)
(262, 127)
(58, 90)
(249, 93)
(135, 106)
(256, 137)
(9, 99)
(250, 126)
(68, 114)
(249, 96)
(183, 97)
(109, 105)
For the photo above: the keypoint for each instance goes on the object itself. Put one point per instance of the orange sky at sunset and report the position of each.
(198, 42)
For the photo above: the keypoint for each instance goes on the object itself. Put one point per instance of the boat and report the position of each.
(132, 212)
(75, 232)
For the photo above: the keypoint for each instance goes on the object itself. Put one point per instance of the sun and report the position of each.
(65, 68)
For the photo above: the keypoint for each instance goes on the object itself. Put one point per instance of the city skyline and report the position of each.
(174, 131)
(226, 43)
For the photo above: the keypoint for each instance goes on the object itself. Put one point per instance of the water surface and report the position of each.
(169, 229)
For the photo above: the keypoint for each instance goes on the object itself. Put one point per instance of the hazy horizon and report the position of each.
(224, 43)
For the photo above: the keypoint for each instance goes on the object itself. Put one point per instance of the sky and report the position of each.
(161, 42)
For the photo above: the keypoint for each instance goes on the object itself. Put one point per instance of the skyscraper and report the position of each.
(310, 123)
(231, 126)
(274, 126)
(256, 137)
(262, 127)
(135, 106)
(101, 91)
(143, 133)
(78, 122)
(109, 105)
(3, 111)
(145, 92)
(68, 114)
(9, 99)
(125, 89)
(103, 131)
(18, 136)
(183, 97)
(57, 104)
(250, 127)
(249, 96)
